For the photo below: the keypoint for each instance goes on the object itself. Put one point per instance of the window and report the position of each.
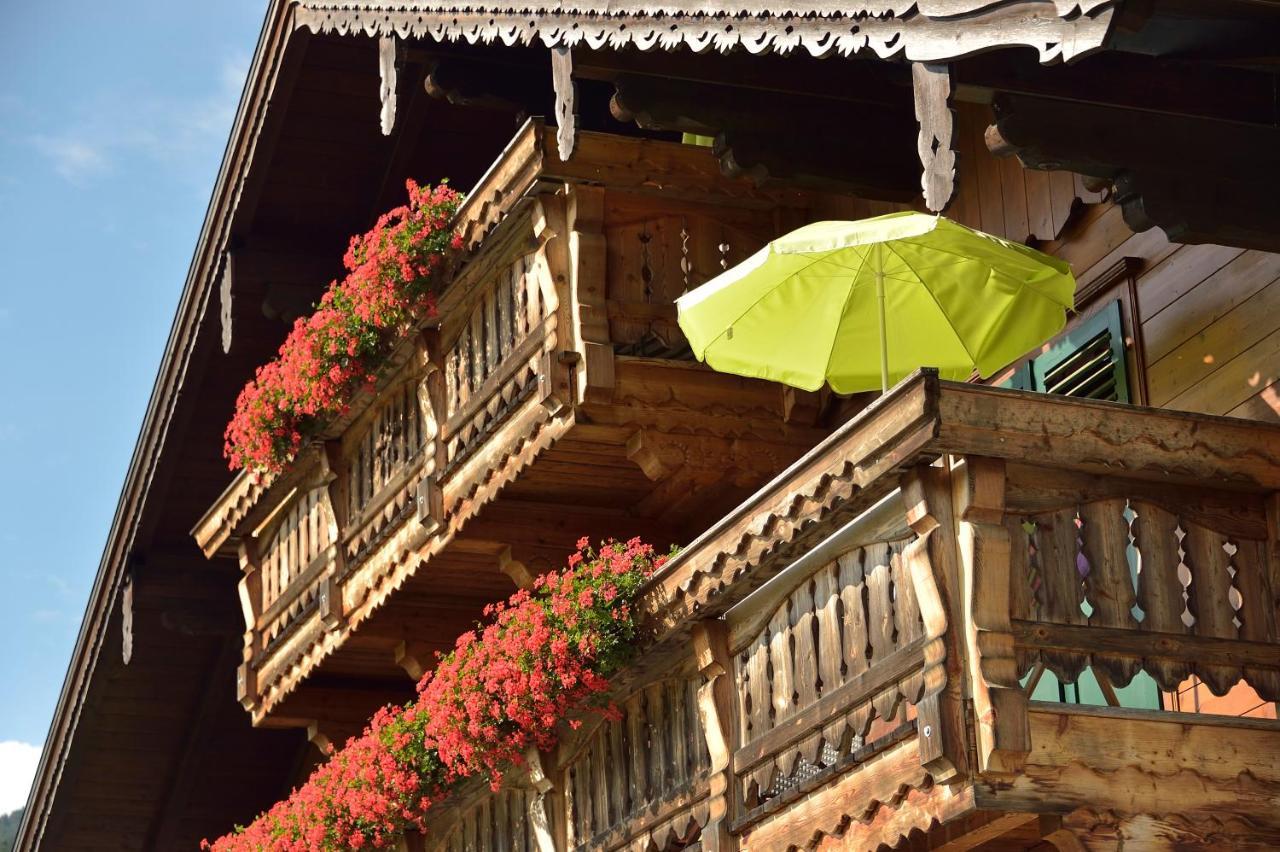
(1088, 361)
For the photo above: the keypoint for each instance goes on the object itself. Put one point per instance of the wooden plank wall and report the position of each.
(1210, 315)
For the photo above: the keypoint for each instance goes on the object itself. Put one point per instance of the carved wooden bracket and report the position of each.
(387, 82)
(126, 618)
(515, 569)
(566, 101)
(225, 297)
(999, 704)
(932, 87)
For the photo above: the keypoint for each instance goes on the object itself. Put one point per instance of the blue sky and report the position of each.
(113, 118)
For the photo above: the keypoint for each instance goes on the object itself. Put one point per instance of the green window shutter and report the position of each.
(1087, 361)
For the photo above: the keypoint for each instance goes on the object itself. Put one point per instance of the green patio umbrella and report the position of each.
(863, 304)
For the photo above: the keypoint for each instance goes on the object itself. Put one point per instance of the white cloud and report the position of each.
(18, 761)
(175, 132)
(73, 159)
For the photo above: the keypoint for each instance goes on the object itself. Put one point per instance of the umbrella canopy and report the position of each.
(862, 304)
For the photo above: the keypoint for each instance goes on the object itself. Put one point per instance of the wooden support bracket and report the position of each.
(566, 101)
(932, 87)
(387, 83)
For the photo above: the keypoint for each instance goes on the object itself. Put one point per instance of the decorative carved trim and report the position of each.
(925, 31)
(387, 82)
(932, 89)
(566, 101)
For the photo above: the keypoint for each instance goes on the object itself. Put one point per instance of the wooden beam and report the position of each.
(792, 137)
(1216, 776)
(1200, 180)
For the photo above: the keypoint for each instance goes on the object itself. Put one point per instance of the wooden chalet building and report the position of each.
(1040, 614)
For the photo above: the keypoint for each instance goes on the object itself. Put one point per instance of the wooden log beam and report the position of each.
(1200, 180)
(792, 137)
(1219, 774)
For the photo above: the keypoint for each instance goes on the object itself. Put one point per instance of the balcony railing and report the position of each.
(861, 637)
(557, 316)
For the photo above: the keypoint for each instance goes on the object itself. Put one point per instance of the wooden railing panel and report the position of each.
(497, 821)
(293, 561)
(392, 441)
(842, 650)
(1120, 565)
(492, 364)
(643, 775)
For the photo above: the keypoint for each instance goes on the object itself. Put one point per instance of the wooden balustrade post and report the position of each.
(539, 817)
(933, 564)
(1273, 555)
(250, 589)
(587, 297)
(715, 709)
(433, 405)
(329, 597)
(999, 704)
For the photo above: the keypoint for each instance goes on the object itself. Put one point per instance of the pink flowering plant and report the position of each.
(540, 657)
(393, 273)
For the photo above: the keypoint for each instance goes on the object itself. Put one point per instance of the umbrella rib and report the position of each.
(826, 370)
(763, 295)
(950, 322)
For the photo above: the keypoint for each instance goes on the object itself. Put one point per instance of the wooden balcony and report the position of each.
(848, 657)
(553, 397)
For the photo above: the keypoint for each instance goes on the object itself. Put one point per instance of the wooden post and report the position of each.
(250, 589)
(539, 819)
(715, 709)
(434, 407)
(1273, 555)
(999, 704)
(933, 562)
(330, 597)
(587, 297)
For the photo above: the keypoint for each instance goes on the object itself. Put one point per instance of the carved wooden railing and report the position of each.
(642, 778)
(493, 365)
(863, 629)
(842, 651)
(885, 604)
(1126, 585)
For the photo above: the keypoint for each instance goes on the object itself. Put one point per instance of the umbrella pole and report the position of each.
(884, 341)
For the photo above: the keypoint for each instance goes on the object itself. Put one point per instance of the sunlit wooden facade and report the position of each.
(1037, 612)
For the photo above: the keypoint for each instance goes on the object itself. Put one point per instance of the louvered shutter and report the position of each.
(1086, 362)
